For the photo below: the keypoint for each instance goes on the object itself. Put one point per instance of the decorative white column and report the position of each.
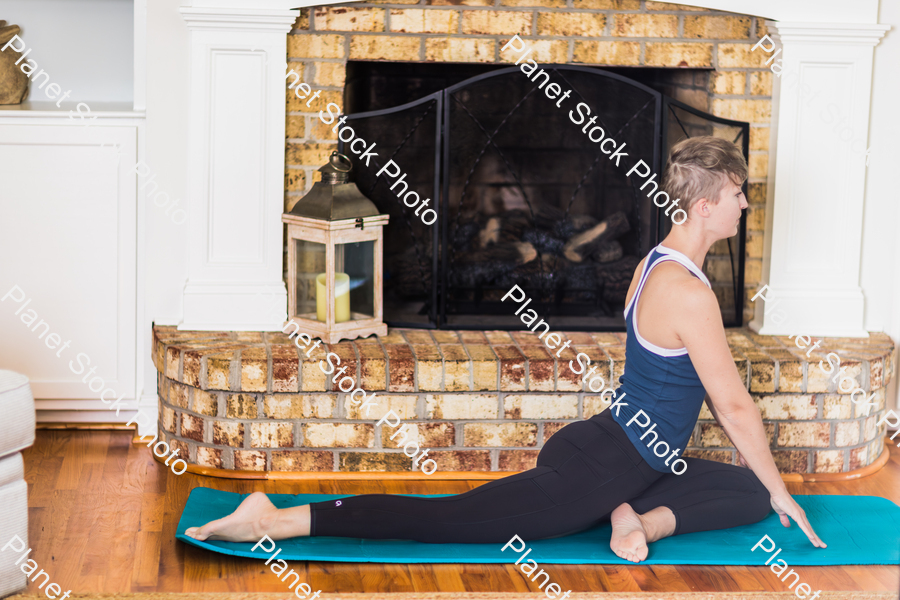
(236, 168)
(816, 180)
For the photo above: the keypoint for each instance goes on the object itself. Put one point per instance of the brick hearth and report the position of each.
(481, 401)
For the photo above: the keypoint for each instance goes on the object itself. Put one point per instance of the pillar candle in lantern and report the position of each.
(341, 297)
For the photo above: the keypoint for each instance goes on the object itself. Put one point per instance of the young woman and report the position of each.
(602, 468)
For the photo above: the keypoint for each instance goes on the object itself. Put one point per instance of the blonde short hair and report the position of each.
(700, 167)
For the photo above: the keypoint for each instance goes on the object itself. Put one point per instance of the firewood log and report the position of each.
(543, 241)
(512, 224)
(544, 276)
(483, 267)
(608, 252)
(586, 243)
(490, 233)
(575, 224)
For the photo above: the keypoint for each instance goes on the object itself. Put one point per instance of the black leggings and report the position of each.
(584, 472)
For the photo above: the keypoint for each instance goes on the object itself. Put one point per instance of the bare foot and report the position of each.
(252, 519)
(629, 538)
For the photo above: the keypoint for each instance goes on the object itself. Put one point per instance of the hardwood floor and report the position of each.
(103, 513)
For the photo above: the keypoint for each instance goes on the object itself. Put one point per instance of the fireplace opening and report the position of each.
(525, 198)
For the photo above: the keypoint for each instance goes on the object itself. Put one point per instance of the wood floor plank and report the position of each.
(145, 573)
(446, 577)
(103, 514)
(570, 577)
(660, 578)
(152, 514)
(609, 577)
(875, 577)
(829, 578)
(172, 552)
(96, 447)
(336, 576)
(701, 578)
(423, 577)
(73, 461)
(32, 465)
(768, 581)
(391, 577)
(98, 526)
(40, 491)
(486, 578)
(59, 545)
(123, 548)
(747, 580)
(519, 582)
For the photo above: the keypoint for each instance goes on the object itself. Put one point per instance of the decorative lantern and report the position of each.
(335, 241)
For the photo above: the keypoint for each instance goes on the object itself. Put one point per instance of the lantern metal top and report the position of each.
(335, 197)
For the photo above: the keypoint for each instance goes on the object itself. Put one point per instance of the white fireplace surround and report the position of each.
(236, 160)
(236, 167)
(815, 206)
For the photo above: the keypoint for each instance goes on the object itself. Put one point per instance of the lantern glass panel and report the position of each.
(310, 262)
(357, 260)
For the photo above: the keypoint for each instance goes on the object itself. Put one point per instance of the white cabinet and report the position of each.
(69, 249)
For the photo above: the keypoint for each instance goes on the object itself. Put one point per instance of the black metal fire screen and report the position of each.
(528, 196)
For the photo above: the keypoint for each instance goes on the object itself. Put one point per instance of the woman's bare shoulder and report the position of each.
(677, 288)
(682, 291)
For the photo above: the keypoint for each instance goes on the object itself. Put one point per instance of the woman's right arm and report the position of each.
(703, 334)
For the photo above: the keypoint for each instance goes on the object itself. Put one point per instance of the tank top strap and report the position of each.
(671, 254)
(658, 255)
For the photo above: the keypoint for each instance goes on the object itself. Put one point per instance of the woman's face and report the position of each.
(727, 213)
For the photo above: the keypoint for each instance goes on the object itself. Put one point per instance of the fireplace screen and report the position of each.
(525, 198)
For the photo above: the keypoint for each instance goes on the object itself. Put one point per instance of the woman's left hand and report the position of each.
(786, 507)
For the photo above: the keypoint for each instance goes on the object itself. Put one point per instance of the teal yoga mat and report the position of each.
(859, 530)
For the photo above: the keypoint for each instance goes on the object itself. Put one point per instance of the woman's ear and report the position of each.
(702, 207)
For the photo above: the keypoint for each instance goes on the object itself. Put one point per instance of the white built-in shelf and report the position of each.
(91, 48)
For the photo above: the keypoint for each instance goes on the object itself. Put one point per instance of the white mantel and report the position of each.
(815, 204)
(236, 167)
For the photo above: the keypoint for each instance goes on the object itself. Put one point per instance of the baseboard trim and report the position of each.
(470, 475)
(76, 425)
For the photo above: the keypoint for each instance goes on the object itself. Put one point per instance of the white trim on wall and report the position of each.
(812, 258)
(236, 167)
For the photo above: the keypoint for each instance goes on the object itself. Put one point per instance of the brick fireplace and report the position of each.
(485, 401)
(708, 52)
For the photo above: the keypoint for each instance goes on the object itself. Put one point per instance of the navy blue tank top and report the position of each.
(661, 382)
